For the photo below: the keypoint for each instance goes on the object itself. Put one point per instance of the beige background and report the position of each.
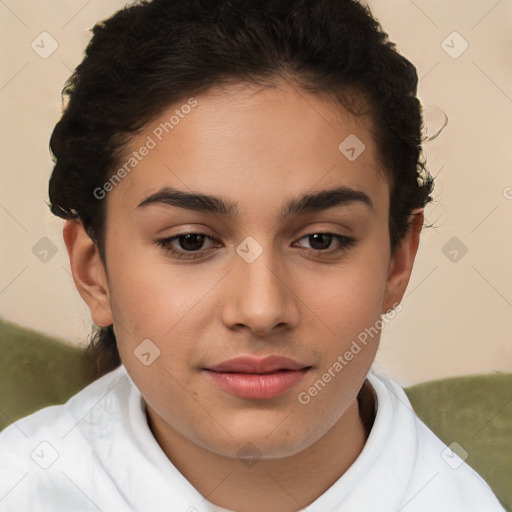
(456, 314)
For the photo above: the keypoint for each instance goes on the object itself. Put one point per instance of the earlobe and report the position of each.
(400, 266)
(88, 272)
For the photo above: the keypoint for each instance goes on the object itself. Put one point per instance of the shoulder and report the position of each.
(440, 477)
(38, 450)
(56, 418)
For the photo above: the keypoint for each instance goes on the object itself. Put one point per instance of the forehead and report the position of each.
(250, 144)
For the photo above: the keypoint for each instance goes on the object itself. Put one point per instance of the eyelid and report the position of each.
(166, 242)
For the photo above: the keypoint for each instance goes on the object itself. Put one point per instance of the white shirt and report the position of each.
(97, 453)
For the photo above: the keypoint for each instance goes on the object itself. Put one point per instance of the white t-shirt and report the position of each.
(97, 453)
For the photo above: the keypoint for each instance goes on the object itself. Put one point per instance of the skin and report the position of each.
(257, 148)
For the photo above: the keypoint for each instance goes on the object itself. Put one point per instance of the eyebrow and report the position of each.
(318, 201)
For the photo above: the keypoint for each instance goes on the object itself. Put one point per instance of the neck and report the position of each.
(285, 485)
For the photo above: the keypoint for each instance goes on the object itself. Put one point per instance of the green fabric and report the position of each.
(474, 411)
(36, 371)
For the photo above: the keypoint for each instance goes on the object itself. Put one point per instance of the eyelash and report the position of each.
(166, 244)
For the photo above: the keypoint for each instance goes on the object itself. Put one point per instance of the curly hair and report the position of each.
(153, 54)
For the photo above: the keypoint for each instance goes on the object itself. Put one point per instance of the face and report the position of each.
(292, 259)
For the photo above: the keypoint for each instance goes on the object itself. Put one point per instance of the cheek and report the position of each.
(348, 299)
(166, 304)
(346, 318)
(152, 297)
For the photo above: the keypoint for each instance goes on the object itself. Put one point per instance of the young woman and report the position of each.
(243, 190)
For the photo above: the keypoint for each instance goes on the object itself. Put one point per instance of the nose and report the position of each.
(260, 296)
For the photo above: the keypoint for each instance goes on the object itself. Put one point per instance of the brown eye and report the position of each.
(191, 242)
(320, 242)
(186, 245)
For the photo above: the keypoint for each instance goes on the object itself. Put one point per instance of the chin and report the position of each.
(257, 442)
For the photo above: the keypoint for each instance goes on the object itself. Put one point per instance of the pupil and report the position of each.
(319, 236)
(189, 245)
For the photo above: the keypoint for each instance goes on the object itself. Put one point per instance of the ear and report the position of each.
(400, 265)
(88, 272)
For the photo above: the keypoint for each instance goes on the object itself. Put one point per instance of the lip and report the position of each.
(249, 377)
(246, 364)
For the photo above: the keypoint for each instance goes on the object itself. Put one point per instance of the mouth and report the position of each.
(253, 378)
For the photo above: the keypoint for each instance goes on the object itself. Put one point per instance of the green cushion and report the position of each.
(474, 411)
(36, 371)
